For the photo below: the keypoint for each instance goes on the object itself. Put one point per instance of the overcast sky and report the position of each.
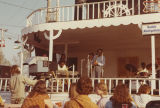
(13, 14)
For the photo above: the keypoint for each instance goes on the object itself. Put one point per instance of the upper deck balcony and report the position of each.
(90, 11)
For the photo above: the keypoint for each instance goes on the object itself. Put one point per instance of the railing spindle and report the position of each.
(63, 14)
(93, 83)
(123, 81)
(144, 81)
(68, 14)
(137, 86)
(132, 7)
(116, 82)
(105, 81)
(41, 14)
(5, 88)
(88, 6)
(72, 13)
(159, 86)
(93, 11)
(139, 7)
(38, 19)
(1, 84)
(47, 83)
(63, 85)
(77, 12)
(120, 9)
(99, 80)
(83, 11)
(109, 11)
(69, 83)
(98, 10)
(115, 9)
(110, 86)
(130, 86)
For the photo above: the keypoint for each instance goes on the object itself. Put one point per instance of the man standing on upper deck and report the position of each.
(99, 62)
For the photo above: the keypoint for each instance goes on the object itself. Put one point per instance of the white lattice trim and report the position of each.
(136, 19)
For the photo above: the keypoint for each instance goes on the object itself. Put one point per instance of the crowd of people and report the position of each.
(78, 94)
(79, 91)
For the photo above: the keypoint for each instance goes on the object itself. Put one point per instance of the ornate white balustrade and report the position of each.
(61, 85)
(87, 11)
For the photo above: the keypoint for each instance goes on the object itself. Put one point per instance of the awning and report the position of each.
(136, 19)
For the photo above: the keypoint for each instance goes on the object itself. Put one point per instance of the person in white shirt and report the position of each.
(143, 97)
(101, 90)
(99, 62)
(62, 68)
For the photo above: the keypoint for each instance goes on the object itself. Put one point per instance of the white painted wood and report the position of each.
(51, 45)
(153, 83)
(77, 12)
(98, 9)
(110, 86)
(159, 86)
(130, 85)
(93, 10)
(132, 7)
(139, 7)
(60, 83)
(1, 81)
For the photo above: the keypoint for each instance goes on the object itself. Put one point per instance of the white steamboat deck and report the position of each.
(114, 26)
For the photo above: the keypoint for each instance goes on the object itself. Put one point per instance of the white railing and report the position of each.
(86, 11)
(59, 85)
(4, 84)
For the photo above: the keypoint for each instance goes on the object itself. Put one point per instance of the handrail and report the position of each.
(60, 85)
(86, 11)
(70, 6)
(36, 11)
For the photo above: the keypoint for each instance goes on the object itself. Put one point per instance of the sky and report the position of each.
(13, 14)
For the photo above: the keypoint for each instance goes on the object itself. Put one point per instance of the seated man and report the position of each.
(62, 68)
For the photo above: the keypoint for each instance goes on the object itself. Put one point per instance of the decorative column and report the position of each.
(51, 37)
(153, 83)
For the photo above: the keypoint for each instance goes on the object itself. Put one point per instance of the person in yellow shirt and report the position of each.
(1, 102)
(83, 88)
